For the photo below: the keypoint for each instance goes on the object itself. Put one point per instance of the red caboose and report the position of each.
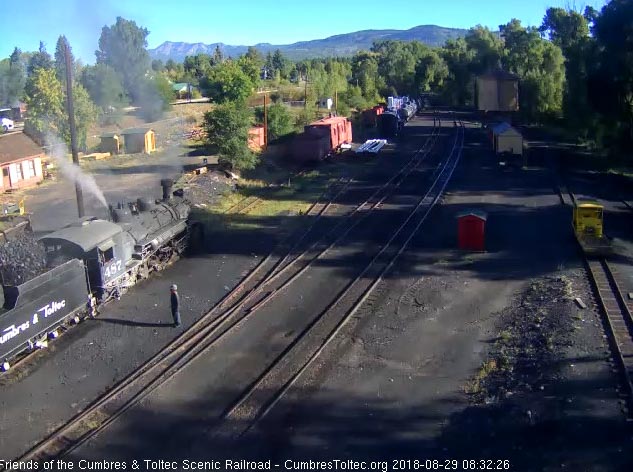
(339, 129)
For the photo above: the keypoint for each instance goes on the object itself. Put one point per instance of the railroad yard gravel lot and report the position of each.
(232, 366)
(89, 359)
(419, 373)
(455, 355)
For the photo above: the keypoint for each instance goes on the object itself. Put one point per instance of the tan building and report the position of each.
(111, 142)
(497, 91)
(139, 140)
(505, 138)
(21, 162)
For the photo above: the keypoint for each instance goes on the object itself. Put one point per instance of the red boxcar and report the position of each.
(313, 145)
(338, 127)
(370, 116)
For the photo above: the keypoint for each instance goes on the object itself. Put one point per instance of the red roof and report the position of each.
(17, 147)
(328, 121)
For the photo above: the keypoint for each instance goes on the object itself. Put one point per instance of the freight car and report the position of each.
(399, 111)
(370, 116)
(94, 261)
(321, 139)
(389, 124)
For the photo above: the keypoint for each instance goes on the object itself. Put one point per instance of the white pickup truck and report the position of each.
(7, 125)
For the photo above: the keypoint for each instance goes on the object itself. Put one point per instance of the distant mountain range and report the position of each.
(339, 45)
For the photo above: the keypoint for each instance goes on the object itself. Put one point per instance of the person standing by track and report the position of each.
(175, 305)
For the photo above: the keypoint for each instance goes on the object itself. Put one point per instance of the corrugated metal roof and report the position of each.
(504, 128)
(329, 121)
(17, 146)
(136, 131)
(86, 234)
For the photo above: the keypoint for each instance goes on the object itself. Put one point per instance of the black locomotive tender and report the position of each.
(399, 110)
(94, 261)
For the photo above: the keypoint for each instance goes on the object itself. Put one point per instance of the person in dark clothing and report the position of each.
(175, 305)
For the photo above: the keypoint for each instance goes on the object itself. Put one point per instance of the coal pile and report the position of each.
(21, 260)
(206, 189)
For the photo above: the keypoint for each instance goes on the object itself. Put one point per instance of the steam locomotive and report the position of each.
(94, 261)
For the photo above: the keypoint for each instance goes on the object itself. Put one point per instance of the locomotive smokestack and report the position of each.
(167, 184)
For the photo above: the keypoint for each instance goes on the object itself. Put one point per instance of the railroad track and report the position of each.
(282, 374)
(618, 322)
(616, 311)
(243, 205)
(263, 283)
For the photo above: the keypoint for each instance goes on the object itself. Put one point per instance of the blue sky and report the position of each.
(246, 22)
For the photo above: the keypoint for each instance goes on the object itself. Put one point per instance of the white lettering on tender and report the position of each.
(52, 308)
(46, 311)
(12, 331)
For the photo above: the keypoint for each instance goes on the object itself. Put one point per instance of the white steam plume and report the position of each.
(59, 152)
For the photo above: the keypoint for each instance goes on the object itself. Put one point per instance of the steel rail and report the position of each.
(127, 392)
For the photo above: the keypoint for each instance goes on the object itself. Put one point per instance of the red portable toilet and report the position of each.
(471, 230)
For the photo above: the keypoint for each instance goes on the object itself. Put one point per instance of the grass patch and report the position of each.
(476, 385)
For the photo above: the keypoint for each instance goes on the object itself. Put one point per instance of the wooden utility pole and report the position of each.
(73, 129)
(305, 96)
(265, 123)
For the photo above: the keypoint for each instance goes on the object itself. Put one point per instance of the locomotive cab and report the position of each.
(98, 243)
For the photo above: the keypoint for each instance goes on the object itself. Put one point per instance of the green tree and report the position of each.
(458, 89)
(60, 59)
(39, 60)
(123, 46)
(198, 66)
(365, 75)
(487, 47)
(250, 68)
(47, 107)
(354, 97)
(279, 62)
(611, 84)
(280, 121)
(86, 114)
(170, 65)
(45, 101)
(227, 82)
(569, 30)
(227, 127)
(255, 57)
(218, 56)
(12, 79)
(104, 86)
(565, 28)
(397, 63)
(540, 64)
(430, 73)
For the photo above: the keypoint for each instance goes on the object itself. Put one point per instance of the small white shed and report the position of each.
(505, 138)
(326, 103)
